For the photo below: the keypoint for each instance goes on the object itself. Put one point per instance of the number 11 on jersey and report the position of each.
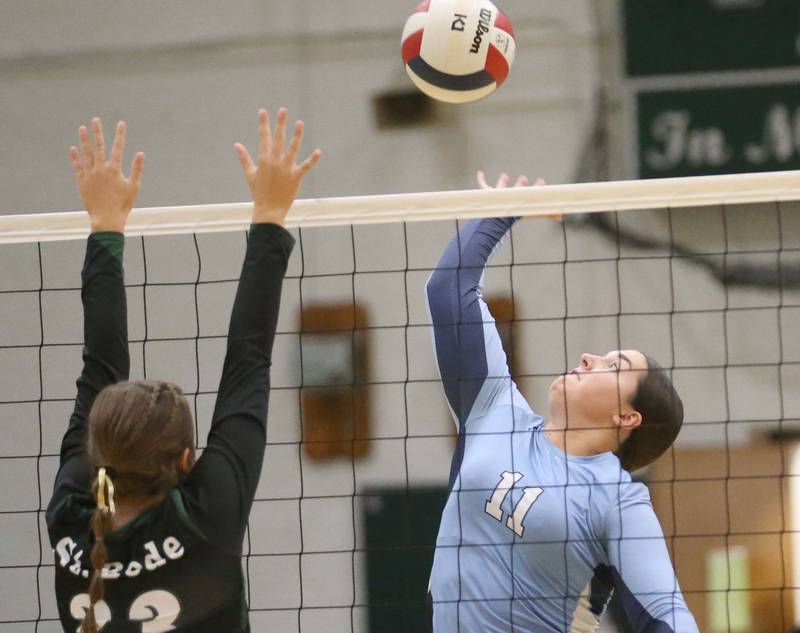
(529, 497)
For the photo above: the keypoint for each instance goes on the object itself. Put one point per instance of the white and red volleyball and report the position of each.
(458, 50)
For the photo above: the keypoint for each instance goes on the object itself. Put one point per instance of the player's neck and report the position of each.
(128, 510)
(581, 442)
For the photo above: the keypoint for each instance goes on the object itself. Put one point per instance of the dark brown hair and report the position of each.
(138, 432)
(661, 408)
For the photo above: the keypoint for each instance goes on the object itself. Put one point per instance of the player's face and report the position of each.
(599, 388)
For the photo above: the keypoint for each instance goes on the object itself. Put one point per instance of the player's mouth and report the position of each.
(577, 374)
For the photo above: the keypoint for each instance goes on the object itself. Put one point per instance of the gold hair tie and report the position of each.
(103, 480)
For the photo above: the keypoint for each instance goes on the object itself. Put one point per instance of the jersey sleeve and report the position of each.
(105, 352)
(219, 490)
(642, 571)
(467, 345)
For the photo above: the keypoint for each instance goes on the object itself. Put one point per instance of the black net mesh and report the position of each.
(359, 437)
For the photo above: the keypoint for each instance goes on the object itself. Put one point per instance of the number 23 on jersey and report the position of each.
(156, 610)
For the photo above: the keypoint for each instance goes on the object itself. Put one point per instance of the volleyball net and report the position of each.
(703, 274)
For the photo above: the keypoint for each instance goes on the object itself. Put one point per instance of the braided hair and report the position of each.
(139, 432)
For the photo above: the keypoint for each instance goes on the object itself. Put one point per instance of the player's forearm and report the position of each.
(643, 575)
(674, 617)
(453, 288)
(254, 318)
(466, 255)
(464, 332)
(105, 352)
(656, 612)
(105, 309)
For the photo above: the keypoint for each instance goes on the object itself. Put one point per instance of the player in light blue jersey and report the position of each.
(543, 521)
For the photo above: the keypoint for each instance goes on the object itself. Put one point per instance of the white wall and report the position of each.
(189, 76)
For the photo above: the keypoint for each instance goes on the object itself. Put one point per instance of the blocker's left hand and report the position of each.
(107, 195)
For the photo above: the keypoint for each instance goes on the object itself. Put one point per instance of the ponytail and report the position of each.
(138, 433)
(662, 416)
(101, 525)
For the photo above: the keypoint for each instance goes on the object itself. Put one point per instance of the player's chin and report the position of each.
(557, 396)
(564, 385)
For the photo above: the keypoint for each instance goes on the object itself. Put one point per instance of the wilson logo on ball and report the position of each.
(458, 50)
(484, 23)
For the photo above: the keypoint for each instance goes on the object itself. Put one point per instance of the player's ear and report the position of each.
(628, 421)
(187, 461)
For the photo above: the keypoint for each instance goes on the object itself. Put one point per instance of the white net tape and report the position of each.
(665, 193)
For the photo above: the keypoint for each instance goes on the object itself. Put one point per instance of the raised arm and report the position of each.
(108, 198)
(229, 469)
(642, 571)
(469, 352)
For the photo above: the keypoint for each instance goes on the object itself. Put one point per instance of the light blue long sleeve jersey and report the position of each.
(531, 539)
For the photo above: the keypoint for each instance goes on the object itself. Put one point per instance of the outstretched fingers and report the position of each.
(310, 162)
(107, 194)
(118, 149)
(264, 136)
(136, 170)
(297, 140)
(75, 159)
(275, 179)
(502, 182)
(279, 141)
(99, 154)
(86, 152)
(522, 181)
(245, 159)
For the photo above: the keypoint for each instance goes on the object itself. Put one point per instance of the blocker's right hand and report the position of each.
(107, 195)
(276, 179)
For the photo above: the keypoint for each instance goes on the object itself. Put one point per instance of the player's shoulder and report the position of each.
(70, 511)
(633, 492)
(178, 514)
(617, 489)
(73, 512)
(614, 501)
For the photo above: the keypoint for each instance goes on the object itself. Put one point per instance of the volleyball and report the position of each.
(458, 51)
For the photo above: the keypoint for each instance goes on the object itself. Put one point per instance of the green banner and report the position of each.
(689, 36)
(718, 130)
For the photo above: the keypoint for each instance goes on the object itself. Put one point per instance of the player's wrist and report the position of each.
(108, 220)
(107, 227)
(269, 216)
